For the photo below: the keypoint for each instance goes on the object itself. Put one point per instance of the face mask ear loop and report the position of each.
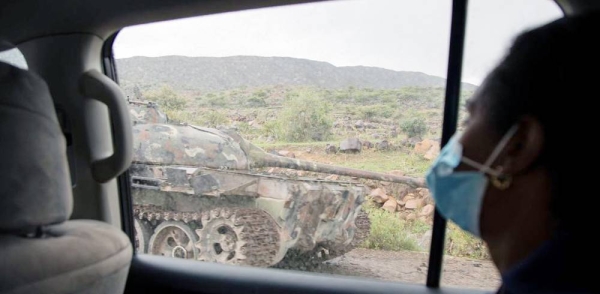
(511, 132)
(480, 167)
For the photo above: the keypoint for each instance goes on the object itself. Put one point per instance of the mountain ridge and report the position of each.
(208, 74)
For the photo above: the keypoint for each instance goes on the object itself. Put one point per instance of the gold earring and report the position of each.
(501, 182)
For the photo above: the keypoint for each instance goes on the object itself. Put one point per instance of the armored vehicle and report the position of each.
(202, 193)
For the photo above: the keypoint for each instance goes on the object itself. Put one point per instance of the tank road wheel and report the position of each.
(142, 234)
(243, 236)
(173, 239)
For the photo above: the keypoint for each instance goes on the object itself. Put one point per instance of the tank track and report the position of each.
(256, 236)
(152, 213)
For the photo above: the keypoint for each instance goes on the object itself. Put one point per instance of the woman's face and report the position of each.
(479, 140)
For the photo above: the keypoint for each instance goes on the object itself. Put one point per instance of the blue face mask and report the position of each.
(458, 195)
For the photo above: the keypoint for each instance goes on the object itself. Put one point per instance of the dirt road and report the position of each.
(411, 267)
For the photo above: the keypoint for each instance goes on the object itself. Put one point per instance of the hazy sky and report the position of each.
(407, 35)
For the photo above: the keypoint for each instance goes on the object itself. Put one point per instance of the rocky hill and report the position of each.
(207, 74)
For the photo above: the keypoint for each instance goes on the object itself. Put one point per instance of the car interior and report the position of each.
(66, 220)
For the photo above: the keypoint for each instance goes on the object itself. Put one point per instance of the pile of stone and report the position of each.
(410, 205)
(429, 149)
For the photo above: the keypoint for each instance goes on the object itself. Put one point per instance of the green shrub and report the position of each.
(213, 118)
(462, 244)
(388, 232)
(414, 128)
(166, 98)
(256, 102)
(305, 117)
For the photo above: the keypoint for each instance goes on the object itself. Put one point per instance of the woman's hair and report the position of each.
(552, 73)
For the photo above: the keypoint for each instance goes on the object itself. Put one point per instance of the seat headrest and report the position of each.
(35, 187)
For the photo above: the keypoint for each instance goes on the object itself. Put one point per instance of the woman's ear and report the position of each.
(524, 148)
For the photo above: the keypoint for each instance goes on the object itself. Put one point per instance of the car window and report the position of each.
(296, 137)
(467, 262)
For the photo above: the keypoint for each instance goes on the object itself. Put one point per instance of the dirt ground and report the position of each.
(411, 267)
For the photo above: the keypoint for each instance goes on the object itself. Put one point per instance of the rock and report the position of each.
(350, 145)
(410, 142)
(394, 134)
(330, 149)
(367, 145)
(411, 217)
(308, 150)
(251, 123)
(359, 124)
(414, 204)
(410, 204)
(332, 177)
(423, 192)
(383, 145)
(429, 200)
(391, 205)
(378, 195)
(401, 202)
(432, 153)
(376, 136)
(287, 153)
(300, 173)
(370, 125)
(402, 215)
(409, 196)
(424, 146)
(271, 170)
(427, 210)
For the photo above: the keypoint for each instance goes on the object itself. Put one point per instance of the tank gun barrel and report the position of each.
(259, 158)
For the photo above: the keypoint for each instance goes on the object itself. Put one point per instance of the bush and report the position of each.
(376, 111)
(462, 244)
(305, 117)
(167, 99)
(388, 232)
(256, 102)
(368, 113)
(272, 129)
(415, 127)
(213, 118)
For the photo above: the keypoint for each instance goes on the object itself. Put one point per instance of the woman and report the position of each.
(520, 176)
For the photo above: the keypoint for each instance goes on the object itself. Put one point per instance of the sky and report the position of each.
(402, 35)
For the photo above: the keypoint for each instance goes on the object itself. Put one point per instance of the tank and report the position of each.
(201, 193)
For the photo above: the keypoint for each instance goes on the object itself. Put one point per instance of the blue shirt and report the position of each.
(563, 264)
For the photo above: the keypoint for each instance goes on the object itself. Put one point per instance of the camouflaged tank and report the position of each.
(198, 194)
